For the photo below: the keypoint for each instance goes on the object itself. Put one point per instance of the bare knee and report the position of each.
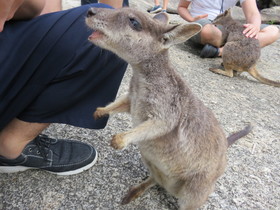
(268, 35)
(210, 34)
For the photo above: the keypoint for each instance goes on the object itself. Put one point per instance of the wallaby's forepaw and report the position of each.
(118, 141)
(99, 113)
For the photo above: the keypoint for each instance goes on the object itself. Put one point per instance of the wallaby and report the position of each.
(240, 53)
(179, 139)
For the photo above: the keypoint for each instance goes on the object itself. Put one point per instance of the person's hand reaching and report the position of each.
(200, 17)
(251, 30)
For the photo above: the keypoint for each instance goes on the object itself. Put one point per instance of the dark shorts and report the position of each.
(203, 22)
(51, 73)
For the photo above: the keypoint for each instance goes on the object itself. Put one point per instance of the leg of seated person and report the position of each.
(268, 35)
(211, 37)
(16, 135)
(113, 3)
(30, 9)
(210, 34)
(52, 6)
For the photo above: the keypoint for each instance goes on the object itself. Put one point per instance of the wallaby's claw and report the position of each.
(99, 113)
(118, 142)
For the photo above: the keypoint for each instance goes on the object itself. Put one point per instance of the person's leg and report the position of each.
(30, 9)
(165, 3)
(211, 37)
(268, 35)
(16, 135)
(210, 34)
(157, 8)
(52, 6)
(113, 3)
(62, 157)
(156, 2)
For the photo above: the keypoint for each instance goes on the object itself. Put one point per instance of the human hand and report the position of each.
(251, 31)
(7, 10)
(200, 17)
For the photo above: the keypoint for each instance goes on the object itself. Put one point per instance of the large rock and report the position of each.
(269, 15)
(262, 4)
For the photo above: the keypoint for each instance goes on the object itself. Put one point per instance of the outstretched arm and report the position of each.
(253, 18)
(185, 14)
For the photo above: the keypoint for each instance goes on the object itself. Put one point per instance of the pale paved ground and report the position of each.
(252, 177)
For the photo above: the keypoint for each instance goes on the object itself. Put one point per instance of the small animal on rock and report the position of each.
(180, 140)
(240, 53)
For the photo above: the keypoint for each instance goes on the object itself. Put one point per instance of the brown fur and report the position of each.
(239, 53)
(180, 140)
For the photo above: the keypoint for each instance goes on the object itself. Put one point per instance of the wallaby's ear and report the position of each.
(227, 12)
(162, 17)
(180, 33)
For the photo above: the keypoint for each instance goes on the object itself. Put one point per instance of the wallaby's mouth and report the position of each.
(96, 35)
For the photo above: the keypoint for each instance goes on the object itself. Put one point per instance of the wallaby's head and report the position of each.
(134, 35)
(224, 18)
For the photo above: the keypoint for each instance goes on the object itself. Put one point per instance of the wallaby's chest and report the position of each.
(144, 100)
(151, 98)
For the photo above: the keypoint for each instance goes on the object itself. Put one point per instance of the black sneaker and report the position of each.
(58, 156)
(209, 51)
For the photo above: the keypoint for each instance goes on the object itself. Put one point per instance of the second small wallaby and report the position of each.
(179, 139)
(239, 52)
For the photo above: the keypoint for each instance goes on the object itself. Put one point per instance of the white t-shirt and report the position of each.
(210, 7)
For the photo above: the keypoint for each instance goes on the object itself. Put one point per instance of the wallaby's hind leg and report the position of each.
(120, 105)
(138, 190)
(227, 72)
(195, 198)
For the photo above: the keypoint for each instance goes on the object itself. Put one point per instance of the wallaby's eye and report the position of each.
(134, 24)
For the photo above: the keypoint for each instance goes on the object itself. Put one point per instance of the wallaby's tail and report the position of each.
(254, 73)
(235, 136)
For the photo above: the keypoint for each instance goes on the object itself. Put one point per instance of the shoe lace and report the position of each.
(43, 143)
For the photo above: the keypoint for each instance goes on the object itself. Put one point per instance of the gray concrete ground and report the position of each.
(251, 180)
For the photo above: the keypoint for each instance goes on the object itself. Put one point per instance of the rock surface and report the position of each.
(251, 180)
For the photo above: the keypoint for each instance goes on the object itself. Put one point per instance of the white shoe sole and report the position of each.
(14, 169)
(156, 11)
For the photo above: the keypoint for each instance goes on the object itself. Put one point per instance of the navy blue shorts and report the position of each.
(51, 73)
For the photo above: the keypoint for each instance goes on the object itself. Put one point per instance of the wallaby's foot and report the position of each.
(228, 73)
(99, 113)
(236, 73)
(118, 141)
(136, 191)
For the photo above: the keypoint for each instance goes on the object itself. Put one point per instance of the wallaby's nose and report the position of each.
(91, 12)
